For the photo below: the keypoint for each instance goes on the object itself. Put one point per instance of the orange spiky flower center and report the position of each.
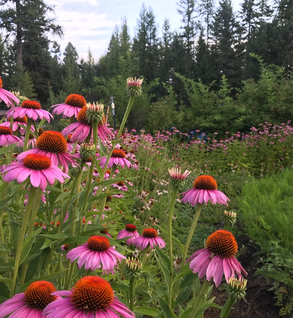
(75, 100)
(149, 233)
(5, 131)
(81, 116)
(52, 141)
(92, 293)
(36, 161)
(31, 104)
(205, 183)
(222, 243)
(1, 83)
(103, 121)
(118, 153)
(98, 243)
(19, 119)
(130, 228)
(120, 183)
(38, 294)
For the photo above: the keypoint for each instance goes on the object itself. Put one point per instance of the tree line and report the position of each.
(216, 54)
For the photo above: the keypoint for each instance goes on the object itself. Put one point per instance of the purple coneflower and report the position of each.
(91, 297)
(129, 231)
(204, 190)
(37, 167)
(16, 124)
(30, 303)
(94, 253)
(117, 158)
(73, 104)
(217, 258)
(7, 138)
(149, 237)
(80, 130)
(53, 145)
(30, 109)
(8, 98)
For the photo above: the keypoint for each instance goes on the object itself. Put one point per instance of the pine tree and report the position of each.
(145, 45)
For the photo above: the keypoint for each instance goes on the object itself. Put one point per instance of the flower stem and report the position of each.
(172, 205)
(30, 230)
(131, 293)
(21, 236)
(27, 133)
(126, 114)
(201, 296)
(227, 307)
(191, 232)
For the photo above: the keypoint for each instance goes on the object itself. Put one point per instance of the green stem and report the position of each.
(27, 133)
(126, 114)
(227, 307)
(201, 297)
(171, 210)
(21, 237)
(131, 293)
(30, 230)
(191, 232)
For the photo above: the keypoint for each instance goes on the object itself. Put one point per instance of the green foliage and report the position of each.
(267, 216)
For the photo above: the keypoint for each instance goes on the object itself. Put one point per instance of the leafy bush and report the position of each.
(267, 215)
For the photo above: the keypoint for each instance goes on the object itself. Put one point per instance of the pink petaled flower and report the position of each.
(16, 124)
(204, 190)
(129, 231)
(53, 145)
(149, 237)
(7, 138)
(218, 258)
(96, 253)
(117, 158)
(30, 303)
(73, 104)
(37, 167)
(91, 297)
(175, 173)
(80, 130)
(8, 98)
(30, 109)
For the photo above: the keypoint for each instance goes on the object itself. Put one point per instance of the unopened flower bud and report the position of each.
(230, 217)
(94, 111)
(87, 151)
(237, 287)
(133, 267)
(176, 177)
(134, 86)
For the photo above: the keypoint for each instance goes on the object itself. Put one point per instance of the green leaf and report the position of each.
(147, 311)
(183, 295)
(177, 242)
(165, 271)
(163, 257)
(57, 236)
(7, 281)
(186, 314)
(205, 305)
(182, 274)
(27, 244)
(102, 148)
(166, 309)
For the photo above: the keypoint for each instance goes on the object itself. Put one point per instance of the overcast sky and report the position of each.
(89, 24)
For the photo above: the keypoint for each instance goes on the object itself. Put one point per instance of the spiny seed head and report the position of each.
(98, 243)
(205, 183)
(38, 294)
(75, 100)
(36, 161)
(222, 243)
(92, 293)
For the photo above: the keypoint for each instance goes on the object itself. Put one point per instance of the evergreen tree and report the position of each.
(227, 48)
(206, 10)
(145, 45)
